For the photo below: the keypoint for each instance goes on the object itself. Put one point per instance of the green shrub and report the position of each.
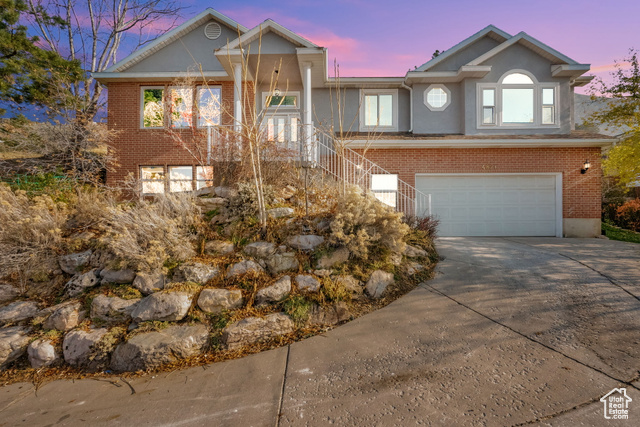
(361, 222)
(297, 307)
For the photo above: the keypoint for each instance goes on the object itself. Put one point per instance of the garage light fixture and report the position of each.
(585, 167)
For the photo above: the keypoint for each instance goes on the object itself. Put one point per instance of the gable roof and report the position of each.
(265, 27)
(172, 35)
(531, 43)
(489, 31)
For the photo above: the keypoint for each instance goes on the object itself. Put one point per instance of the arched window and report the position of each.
(517, 100)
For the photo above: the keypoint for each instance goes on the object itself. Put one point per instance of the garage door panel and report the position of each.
(492, 205)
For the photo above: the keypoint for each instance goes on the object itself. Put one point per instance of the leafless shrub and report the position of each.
(146, 234)
(362, 222)
(30, 231)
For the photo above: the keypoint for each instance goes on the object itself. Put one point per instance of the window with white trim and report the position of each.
(209, 105)
(280, 100)
(385, 188)
(180, 178)
(517, 100)
(204, 177)
(152, 179)
(152, 107)
(437, 97)
(379, 110)
(180, 107)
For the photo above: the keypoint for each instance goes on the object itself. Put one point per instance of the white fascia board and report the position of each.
(270, 25)
(569, 70)
(158, 76)
(367, 82)
(172, 35)
(522, 36)
(466, 71)
(477, 143)
(582, 81)
(466, 42)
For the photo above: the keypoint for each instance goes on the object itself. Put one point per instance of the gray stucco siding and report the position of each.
(466, 55)
(518, 57)
(191, 49)
(271, 43)
(448, 121)
(322, 99)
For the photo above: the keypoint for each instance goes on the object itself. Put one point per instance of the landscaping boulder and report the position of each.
(41, 353)
(413, 268)
(226, 192)
(306, 242)
(148, 283)
(260, 249)
(218, 247)
(80, 282)
(274, 293)
(80, 348)
(322, 273)
(13, 343)
(337, 257)
(171, 306)
(7, 293)
(244, 267)
(64, 316)
(307, 283)
(414, 252)
(210, 203)
(112, 308)
(216, 300)
(351, 284)
(117, 276)
(288, 192)
(282, 262)
(18, 311)
(153, 349)
(255, 329)
(377, 283)
(205, 191)
(101, 258)
(195, 272)
(279, 212)
(71, 263)
(329, 315)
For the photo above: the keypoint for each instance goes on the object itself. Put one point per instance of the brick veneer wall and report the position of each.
(135, 147)
(581, 192)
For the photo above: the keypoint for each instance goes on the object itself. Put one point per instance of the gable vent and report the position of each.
(212, 30)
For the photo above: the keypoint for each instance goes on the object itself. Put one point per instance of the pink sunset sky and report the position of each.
(386, 38)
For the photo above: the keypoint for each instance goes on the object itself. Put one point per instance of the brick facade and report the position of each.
(135, 146)
(581, 192)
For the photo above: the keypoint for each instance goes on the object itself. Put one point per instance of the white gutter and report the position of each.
(479, 143)
(410, 89)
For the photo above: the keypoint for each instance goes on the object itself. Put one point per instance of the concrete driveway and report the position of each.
(512, 331)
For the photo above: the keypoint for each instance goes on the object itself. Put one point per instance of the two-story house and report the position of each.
(485, 129)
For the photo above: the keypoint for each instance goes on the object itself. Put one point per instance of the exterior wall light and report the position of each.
(276, 92)
(585, 167)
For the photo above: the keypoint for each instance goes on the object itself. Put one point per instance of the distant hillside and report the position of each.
(585, 106)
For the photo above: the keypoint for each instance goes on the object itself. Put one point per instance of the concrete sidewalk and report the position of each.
(511, 331)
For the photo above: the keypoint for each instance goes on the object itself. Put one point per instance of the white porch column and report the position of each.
(306, 119)
(237, 97)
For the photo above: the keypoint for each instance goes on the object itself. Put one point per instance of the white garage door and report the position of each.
(494, 205)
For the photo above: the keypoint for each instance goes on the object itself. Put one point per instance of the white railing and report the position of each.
(306, 144)
(351, 167)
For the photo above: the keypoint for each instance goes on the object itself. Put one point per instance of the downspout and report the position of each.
(410, 89)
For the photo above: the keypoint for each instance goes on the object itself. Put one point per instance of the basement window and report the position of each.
(204, 177)
(152, 179)
(180, 178)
